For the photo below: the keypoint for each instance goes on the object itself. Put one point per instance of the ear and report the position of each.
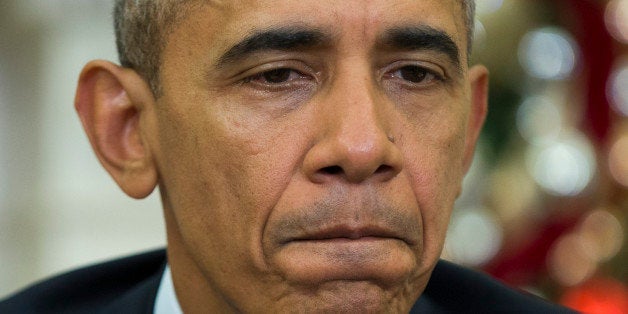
(111, 101)
(478, 79)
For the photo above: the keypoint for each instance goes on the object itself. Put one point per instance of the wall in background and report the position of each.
(58, 207)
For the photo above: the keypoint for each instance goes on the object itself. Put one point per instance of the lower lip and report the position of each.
(363, 258)
(366, 245)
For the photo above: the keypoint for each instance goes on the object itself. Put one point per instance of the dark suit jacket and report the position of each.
(129, 285)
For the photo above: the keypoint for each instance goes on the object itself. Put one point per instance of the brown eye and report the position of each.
(414, 74)
(277, 76)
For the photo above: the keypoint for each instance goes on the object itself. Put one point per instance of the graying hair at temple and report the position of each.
(142, 27)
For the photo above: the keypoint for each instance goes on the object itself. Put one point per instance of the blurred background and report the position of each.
(545, 206)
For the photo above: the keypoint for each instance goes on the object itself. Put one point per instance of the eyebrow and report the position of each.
(284, 38)
(422, 37)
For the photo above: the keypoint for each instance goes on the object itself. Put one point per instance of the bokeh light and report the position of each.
(539, 119)
(479, 36)
(474, 237)
(616, 18)
(488, 6)
(575, 257)
(569, 262)
(598, 296)
(617, 89)
(604, 231)
(548, 53)
(564, 166)
(515, 194)
(618, 160)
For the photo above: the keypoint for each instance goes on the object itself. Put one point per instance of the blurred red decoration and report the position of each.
(597, 49)
(598, 296)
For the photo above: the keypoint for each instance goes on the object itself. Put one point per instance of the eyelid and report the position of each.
(429, 67)
(252, 78)
(297, 66)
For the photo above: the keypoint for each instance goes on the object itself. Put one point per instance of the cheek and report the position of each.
(433, 160)
(225, 173)
(433, 145)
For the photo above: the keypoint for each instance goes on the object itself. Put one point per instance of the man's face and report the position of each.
(309, 152)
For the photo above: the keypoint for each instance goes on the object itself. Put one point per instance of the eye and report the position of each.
(276, 77)
(415, 74)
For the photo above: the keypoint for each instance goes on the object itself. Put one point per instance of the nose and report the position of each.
(354, 138)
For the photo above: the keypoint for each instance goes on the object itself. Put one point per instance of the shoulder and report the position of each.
(455, 289)
(129, 282)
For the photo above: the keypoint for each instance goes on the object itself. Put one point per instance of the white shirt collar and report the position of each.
(166, 301)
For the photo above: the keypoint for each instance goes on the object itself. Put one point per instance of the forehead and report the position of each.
(224, 19)
(211, 28)
(371, 8)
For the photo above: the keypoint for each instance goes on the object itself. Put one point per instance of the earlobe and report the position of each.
(111, 101)
(478, 78)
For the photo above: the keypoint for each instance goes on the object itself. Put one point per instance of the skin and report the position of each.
(325, 186)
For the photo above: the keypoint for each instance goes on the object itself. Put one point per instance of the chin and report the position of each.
(352, 297)
(372, 287)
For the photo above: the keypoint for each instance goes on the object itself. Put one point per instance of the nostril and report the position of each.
(383, 169)
(331, 170)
